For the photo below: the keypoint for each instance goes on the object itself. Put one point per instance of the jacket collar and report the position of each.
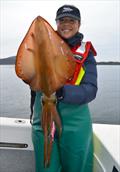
(75, 40)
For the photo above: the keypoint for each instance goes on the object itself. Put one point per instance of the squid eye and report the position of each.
(42, 101)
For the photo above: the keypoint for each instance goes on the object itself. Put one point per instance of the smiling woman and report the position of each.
(71, 97)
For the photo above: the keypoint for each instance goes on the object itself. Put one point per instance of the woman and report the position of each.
(74, 151)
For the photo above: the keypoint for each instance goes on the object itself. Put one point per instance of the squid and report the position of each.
(45, 62)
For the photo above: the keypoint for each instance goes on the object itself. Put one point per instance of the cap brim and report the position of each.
(67, 15)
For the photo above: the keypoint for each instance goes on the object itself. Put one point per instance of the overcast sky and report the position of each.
(100, 23)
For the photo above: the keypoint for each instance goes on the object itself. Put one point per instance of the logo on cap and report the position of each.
(67, 9)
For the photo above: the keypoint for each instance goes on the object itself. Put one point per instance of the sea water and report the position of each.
(15, 95)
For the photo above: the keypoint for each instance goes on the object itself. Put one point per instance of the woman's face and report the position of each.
(67, 27)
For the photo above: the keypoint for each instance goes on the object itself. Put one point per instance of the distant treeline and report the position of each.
(108, 63)
(11, 61)
(8, 61)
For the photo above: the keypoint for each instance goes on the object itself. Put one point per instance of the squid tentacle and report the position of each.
(50, 118)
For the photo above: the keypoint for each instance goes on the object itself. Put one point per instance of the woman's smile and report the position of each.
(67, 27)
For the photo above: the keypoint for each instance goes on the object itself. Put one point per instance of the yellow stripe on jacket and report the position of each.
(80, 76)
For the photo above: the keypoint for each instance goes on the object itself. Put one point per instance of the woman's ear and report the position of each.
(79, 23)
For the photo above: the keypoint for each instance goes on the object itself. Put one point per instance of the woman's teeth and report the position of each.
(66, 30)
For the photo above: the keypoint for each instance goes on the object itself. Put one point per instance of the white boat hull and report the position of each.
(15, 134)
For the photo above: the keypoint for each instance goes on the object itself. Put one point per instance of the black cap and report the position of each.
(68, 11)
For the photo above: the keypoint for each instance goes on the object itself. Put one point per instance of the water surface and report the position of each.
(15, 95)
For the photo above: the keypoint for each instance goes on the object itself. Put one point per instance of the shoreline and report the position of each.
(11, 61)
